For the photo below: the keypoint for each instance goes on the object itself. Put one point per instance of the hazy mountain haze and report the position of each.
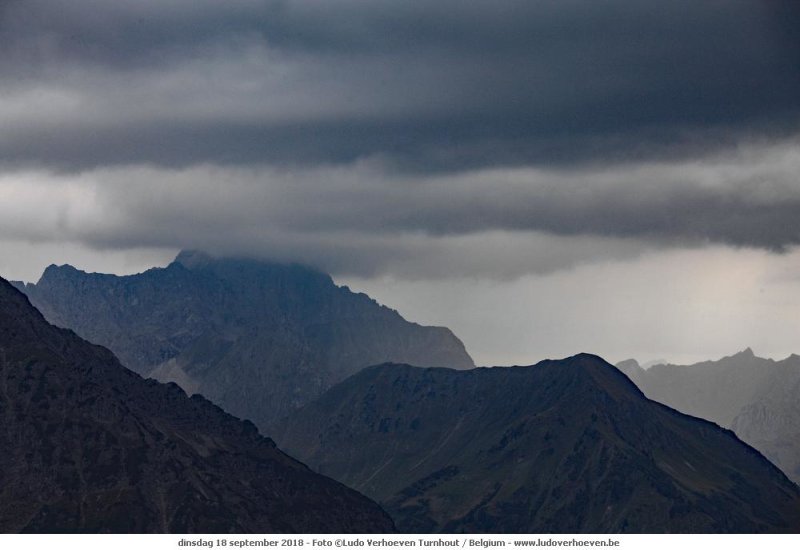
(755, 397)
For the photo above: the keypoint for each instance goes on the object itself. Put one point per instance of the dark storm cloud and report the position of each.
(430, 85)
(367, 219)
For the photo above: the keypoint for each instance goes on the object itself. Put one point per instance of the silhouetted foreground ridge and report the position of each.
(89, 446)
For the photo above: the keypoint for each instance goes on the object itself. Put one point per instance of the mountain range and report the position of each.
(90, 446)
(757, 398)
(562, 446)
(259, 339)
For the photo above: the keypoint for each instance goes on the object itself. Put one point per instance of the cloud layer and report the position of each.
(430, 85)
(364, 219)
(422, 139)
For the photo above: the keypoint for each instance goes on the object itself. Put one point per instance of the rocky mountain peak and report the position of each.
(746, 353)
(258, 338)
(193, 258)
(55, 272)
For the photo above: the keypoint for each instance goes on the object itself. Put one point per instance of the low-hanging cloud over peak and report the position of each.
(366, 219)
(410, 138)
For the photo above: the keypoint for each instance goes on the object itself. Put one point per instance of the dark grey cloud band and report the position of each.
(432, 85)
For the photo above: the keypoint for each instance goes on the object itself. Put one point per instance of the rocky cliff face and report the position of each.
(258, 339)
(90, 446)
(562, 446)
(756, 398)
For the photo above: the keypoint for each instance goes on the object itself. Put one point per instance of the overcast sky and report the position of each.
(544, 177)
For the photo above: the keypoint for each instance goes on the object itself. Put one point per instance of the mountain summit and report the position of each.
(257, 338)
(90, 446)
(562, 446)
(755, 397)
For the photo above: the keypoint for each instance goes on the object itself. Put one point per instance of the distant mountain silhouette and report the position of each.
(757, 398)
(562, 446)
(258, 339)
(87, 445)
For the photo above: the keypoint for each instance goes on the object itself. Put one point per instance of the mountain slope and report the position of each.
(562, 446)
(90, 446)
(757, 398)
(258, 339)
